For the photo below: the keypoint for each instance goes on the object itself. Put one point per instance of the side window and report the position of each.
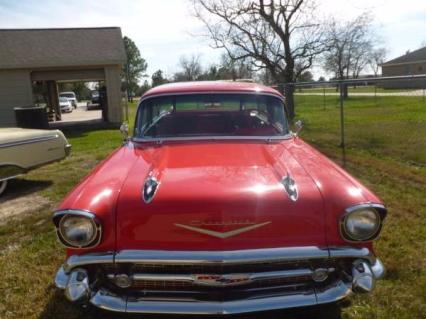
(276, 109)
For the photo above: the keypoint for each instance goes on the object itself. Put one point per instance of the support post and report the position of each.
(342, 125)
(126, 108)
(53, 99)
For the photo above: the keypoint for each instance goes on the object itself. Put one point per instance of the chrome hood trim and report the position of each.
(222, 235)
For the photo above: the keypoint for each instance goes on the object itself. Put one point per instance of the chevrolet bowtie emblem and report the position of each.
(222, 280)
(222, 234)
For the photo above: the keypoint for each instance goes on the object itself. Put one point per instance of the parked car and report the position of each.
(22, 150)
(71, 97)
(65, 105)
(94, 95)
(215, 207)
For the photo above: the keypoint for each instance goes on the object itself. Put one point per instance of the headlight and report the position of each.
(361, 223)
(77, 229)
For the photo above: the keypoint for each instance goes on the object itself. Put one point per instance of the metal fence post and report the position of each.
(324, 98)
(342, 125)
(375, 93)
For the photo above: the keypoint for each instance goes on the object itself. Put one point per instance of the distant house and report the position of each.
(411, 63)
(28, 56)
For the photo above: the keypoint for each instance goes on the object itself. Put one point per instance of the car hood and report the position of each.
(218, 195)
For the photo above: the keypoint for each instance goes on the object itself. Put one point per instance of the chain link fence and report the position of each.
(385, 117)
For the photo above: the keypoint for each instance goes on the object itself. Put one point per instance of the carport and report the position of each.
(59, 55)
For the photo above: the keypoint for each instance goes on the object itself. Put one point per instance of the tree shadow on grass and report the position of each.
(58, 307)
(20, 187)
(82, 130)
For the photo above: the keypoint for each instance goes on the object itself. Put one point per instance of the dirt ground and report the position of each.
(15, 208)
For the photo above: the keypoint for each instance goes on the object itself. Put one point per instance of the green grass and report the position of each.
(386, 151)
(384, 126)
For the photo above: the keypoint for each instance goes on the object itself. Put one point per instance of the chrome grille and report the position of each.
(179, 285)
(220, 269)
(176, 277)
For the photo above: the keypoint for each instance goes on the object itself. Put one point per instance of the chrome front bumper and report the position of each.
(73, 278)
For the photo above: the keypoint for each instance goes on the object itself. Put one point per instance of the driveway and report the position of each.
(81, 114)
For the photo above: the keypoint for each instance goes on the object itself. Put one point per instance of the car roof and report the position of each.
(211, 87)
(69, 92)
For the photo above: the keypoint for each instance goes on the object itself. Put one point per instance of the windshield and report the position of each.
(211, 115)
(63, 99)
(69, 95)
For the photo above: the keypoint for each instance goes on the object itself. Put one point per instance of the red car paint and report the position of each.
(220, 185)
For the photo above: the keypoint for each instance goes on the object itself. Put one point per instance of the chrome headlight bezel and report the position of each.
(377, 209)
(61, 216)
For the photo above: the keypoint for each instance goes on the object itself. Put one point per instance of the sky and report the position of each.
(165, 30)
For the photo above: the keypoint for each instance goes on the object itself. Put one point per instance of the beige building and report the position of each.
(412, 63)
(52, 55)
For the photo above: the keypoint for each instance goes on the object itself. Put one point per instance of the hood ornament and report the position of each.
(149, 189)
(290, 187)
(219, 234)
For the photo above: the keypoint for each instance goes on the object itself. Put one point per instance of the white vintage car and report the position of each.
(22, 150)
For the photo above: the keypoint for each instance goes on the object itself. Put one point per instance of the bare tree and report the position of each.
(190, 68)
(350, 47)
(274, 34)
(377, 57)
(235, 69)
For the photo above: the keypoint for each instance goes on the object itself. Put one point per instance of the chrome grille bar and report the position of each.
(248, 256)
(235, 257)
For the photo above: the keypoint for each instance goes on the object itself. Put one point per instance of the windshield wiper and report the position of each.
(155, 121)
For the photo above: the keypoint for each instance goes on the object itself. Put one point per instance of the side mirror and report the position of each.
(124, 129)
(298, 126)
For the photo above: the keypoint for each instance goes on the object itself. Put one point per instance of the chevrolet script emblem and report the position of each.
(222, 234)
(222, 280)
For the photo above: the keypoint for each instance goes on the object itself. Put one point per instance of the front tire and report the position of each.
(3, 185)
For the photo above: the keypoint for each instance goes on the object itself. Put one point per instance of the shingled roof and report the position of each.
(412, 57)
(35, 48)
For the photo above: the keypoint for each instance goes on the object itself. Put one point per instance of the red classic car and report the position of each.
(215, 207)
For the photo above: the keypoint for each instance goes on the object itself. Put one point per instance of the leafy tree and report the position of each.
(227, 69)
(305, 77)
(158, 78)
(235, 69)
(135, 66)
(79, 88)
(143, 88)
(210, 74)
